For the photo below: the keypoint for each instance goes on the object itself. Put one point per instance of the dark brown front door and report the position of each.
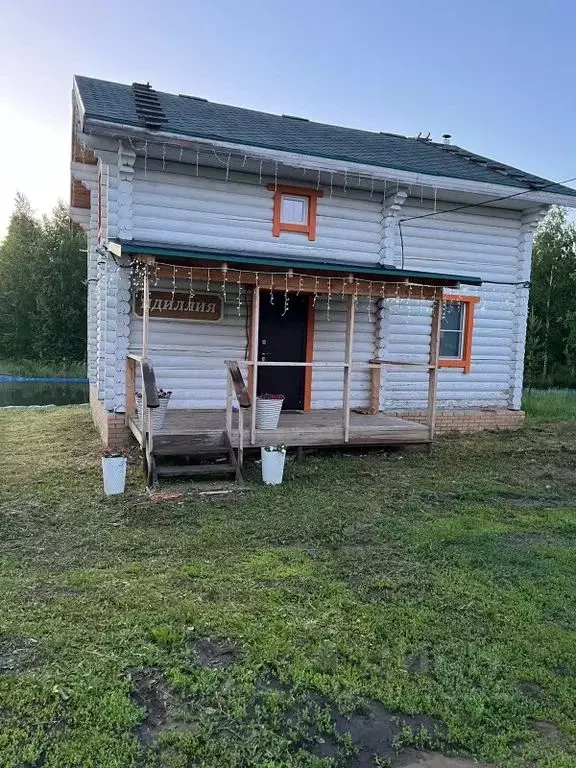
(282, 338)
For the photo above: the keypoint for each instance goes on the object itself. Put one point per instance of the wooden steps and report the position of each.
(208, 444)
(195, 455)
(195, 470)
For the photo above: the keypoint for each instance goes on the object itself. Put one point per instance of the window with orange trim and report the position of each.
(456, 332)
(294, 209)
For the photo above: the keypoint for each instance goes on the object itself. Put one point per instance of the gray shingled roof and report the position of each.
(191, 116)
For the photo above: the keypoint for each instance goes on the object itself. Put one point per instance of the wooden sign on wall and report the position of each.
(180, 306)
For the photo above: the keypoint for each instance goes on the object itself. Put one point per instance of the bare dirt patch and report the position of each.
(17, 653)
(52, 593)
(530, 690)
(151, 691)
(419, 663)
(414, 759)
(212, 653)
(373, 733)
(547, 730)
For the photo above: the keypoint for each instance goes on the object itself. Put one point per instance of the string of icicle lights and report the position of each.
(266, 169)
(220, 279)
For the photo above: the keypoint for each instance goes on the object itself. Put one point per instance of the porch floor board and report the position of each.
(316, 428)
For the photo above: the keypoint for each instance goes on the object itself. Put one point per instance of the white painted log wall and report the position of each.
(188, 357)
(329, 343)
(187, 210)
(482, 242)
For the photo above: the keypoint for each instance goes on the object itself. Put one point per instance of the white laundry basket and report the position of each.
(268, 412)
(114, 473)
(273, 458)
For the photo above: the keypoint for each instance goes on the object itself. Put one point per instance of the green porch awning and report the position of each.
(375, 271)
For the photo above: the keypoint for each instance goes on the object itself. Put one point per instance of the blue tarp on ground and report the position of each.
(45, 379)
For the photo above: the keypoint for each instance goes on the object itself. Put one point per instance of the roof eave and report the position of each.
(121, 248)
(317, 162)
(77, 98)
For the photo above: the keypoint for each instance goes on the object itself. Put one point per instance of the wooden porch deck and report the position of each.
(296, 428)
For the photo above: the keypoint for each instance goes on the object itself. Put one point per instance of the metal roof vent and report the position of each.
(148, 106)
(446, 138)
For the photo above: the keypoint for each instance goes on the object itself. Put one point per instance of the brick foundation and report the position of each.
(466, 421)
(112, 426)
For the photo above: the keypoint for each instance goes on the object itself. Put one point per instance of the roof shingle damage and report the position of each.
(190, 116)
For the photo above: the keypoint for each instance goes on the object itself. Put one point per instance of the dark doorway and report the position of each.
(283, 337)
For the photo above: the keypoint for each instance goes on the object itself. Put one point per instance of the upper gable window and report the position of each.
(294, 209)
(456, 332)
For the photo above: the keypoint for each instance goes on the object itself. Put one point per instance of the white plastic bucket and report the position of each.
(158, 414)
(268, 413)
(273, 465)
(114, 472)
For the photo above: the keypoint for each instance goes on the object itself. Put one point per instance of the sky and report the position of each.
(499, 75)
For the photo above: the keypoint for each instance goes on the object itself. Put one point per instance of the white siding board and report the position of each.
(479, 241)
(188, 210)
(188, 357)
(329, 343)
(201, 212)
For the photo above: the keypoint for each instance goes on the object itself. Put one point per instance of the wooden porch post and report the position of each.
(145, 329)
(130, 389)
(350, 315)
(240, 437)
(254, 360)
(433, 363)
(145, 312)
(229, 396)
(376, 372)
(146, 418)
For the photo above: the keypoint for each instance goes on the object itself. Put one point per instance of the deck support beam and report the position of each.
(433, 362)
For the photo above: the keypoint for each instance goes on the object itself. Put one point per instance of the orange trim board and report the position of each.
(465, 361)
(311, 194)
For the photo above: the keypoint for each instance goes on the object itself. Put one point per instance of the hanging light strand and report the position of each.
(224, 275)
(191, 292)
(286, 299)
(281, 281)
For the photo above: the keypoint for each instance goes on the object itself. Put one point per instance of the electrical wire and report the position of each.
(475, 205)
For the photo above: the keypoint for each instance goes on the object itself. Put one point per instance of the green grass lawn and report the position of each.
(551, 405)
(368, 604)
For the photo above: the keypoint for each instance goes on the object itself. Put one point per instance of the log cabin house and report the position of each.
(379, 282)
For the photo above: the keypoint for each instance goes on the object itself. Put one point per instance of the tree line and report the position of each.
(551, 339)
(42, 287)
(43, 294)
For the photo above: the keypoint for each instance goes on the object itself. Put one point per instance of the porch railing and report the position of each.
(145, 433)
(375, 366)
(237, 387)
